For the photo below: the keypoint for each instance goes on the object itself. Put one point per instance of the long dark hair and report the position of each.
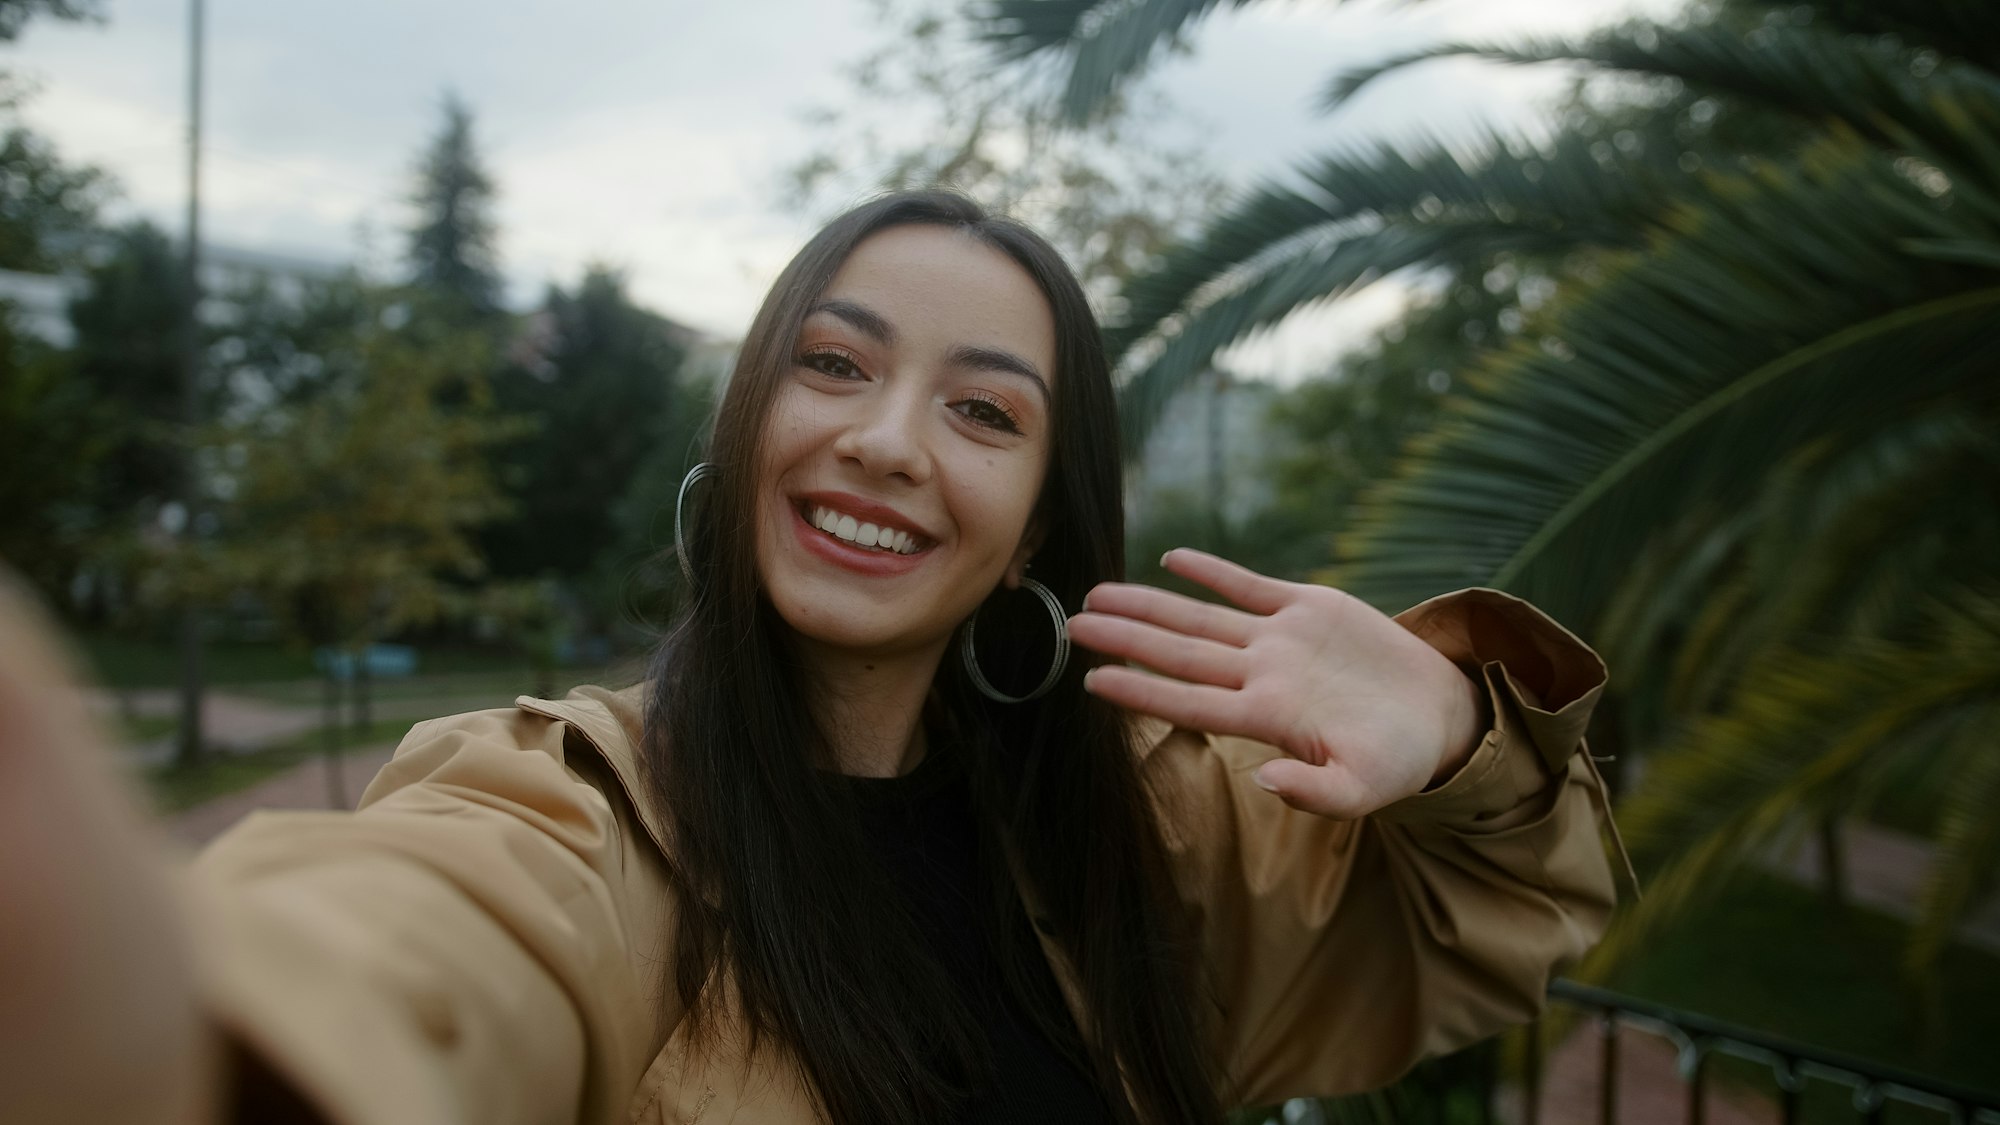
(778, 891)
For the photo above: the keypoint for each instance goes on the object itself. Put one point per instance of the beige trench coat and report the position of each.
(486, 940)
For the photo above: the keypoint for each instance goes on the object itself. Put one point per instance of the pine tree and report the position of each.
(452, 254)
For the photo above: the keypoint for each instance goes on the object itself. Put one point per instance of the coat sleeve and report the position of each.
(457, 951)
(1340, 952)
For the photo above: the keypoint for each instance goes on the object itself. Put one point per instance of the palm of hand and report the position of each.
(1365, 712)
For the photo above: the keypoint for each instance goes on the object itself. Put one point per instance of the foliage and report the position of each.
(1742, 443)
(1111, 196)
(351, 510)
(126, 369)
(47, 207)
(451, 253)
(1103, 43)
(595, 374)
(15, 14)
(128, 353)
(50, 426)
(639, 577)
(1348, 429)
(1728, 351)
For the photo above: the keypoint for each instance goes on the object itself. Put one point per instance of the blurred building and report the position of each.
(40, 301)
(1211, 443)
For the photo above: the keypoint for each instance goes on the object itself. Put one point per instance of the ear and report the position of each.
(1031, 541)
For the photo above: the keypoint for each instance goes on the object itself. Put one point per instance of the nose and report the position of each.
(884, 436)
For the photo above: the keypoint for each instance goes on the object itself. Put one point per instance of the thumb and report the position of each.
(1325, 790)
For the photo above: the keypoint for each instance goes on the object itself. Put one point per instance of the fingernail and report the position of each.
(1163, 558)
(1264, 783)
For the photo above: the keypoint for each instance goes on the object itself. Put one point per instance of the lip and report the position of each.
(862, 560)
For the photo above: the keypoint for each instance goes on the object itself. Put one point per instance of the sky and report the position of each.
(651, 135)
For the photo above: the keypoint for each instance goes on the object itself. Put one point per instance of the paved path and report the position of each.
(302, 787)
(1650, 1088)
(242, 724)
(1886, 871)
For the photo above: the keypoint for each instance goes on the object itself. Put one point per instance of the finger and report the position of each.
(1247, 588)
(1196, 706)
(1169, 610)
(1327, 790)
(1176, 654)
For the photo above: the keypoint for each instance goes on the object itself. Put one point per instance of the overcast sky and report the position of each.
(650, 134)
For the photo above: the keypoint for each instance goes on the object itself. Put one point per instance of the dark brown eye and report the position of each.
(989, 413)
(832, 364)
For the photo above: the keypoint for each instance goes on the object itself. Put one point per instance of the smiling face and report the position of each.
(907, 442)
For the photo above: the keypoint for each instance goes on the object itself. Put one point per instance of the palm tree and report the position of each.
(1750, 444)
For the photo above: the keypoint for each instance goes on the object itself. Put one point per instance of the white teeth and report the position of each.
(851, 530)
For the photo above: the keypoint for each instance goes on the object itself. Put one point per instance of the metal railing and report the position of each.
(1698, 1039)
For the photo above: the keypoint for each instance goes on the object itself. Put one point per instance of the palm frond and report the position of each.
(1018, 29)
(1769, 316)
(1808, 730)
(1813, 72)
(1106, 42)
(1968, 29)
(1358, 217)
(1965, 852)
(1846, 539)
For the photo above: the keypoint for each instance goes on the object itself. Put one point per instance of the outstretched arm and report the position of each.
(1367, 919)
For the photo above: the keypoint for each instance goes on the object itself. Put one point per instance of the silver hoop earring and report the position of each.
(971, 659)
(699, 472)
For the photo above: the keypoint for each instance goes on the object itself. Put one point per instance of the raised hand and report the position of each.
(1366, 712)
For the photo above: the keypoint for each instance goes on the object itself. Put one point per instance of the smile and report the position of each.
(857, 533)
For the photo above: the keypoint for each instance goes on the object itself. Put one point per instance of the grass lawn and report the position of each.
(145, 728)
(129, 662)
(1770, 955)
(175, 789)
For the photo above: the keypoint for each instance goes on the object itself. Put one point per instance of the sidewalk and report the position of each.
(241, 724)
(302, 787)
(1886, 871)
(1650, 1088)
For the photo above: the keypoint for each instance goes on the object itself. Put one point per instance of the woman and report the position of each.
(867, 846)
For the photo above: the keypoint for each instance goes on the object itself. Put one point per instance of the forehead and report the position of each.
(940, 288)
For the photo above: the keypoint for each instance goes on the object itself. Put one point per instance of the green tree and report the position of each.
(451, 254)
(126, 364)
(14, 14)
(50, 425)
(1745, 444)
(594, 375)
(351, 510)
(48, 209)
(128, 353)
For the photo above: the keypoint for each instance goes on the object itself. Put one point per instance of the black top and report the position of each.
(922, 827)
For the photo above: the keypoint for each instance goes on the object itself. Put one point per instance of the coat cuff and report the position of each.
(1541, 683)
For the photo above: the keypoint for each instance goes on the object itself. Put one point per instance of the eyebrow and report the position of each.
(995, 359)
(877, 327)
(864, 319)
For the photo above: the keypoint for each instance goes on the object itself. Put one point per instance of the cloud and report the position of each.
(641, 134)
